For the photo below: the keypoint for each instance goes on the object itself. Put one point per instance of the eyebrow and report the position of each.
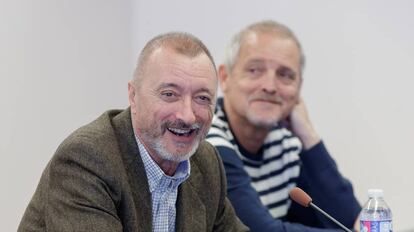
(206, 90)
(175, 86)
(262, 61)
(168, 85)
(254, 61)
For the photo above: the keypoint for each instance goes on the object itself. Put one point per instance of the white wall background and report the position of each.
(62, 63)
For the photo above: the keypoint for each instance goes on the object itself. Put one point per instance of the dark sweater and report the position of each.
(319, 177)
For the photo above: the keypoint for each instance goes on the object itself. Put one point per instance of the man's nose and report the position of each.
(269, 83)
(186, 111)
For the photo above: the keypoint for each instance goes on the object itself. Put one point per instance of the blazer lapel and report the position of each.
(135, 169)
(191, 212)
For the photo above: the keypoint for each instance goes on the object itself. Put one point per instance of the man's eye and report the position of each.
(255, 70)
(203, 100)
(286, 75)
(168, 96)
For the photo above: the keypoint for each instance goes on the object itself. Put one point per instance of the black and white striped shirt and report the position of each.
(271, 173)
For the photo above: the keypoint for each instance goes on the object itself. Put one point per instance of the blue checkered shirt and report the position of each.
(163, 190)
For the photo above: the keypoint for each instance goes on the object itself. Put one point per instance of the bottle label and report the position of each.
(376, 226)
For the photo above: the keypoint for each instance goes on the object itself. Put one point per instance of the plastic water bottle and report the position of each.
(376, 216)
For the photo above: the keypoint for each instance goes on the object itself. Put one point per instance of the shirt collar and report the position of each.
(156, 177)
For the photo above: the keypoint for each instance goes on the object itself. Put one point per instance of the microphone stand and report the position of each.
(329, 216)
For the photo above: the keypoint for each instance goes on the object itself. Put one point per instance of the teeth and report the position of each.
(179, 131)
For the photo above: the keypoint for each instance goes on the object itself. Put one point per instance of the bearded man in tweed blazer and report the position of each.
(146, 168)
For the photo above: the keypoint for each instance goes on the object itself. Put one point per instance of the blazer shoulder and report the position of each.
(96, 135)
(93, 146)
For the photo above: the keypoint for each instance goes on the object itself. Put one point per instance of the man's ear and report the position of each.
(131, 97)
(223, 76)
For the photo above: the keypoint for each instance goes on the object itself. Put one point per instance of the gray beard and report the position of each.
(259, 122)
(162, 152)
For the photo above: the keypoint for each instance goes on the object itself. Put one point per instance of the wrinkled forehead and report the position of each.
(270, 47)
(261, 40)
(168, 57)
(168, 66)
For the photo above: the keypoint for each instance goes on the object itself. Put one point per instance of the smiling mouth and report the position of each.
(269, 101)
(182, 132)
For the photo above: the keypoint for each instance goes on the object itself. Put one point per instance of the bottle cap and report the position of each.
(374, 193)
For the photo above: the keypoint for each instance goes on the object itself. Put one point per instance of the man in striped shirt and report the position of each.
(266, 140)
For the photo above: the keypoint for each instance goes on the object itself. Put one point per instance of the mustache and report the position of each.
(274, 98)
(180, 124)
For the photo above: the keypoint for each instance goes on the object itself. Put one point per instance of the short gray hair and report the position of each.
(181, 42)
(262, 27)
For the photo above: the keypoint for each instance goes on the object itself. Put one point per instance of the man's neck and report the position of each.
(168, 167)
(249, 136)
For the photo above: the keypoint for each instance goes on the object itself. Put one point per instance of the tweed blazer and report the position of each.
(96, 181)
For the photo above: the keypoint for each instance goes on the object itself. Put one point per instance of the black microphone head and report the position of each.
(300, 197)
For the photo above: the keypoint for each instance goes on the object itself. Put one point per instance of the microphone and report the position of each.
(303, 199)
